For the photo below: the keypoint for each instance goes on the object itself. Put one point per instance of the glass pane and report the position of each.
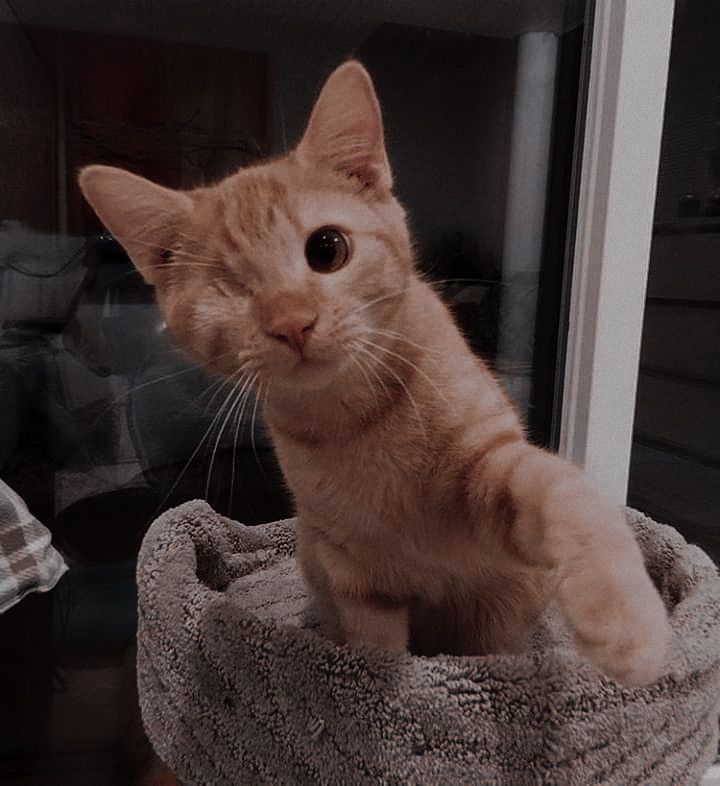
(106, 420)
(675, 464)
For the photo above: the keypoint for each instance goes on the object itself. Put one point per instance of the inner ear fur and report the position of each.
(345, 131)
(143, 216)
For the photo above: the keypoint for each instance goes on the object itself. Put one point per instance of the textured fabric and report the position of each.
(237, 686)
(28, 563)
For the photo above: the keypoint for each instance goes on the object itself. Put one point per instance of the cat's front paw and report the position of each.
(631, 644)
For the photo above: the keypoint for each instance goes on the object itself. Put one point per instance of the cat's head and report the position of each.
(285, 267)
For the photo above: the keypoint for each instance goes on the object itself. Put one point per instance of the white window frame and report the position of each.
(623, 127)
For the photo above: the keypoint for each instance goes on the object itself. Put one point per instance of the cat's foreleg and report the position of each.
(547, 514)
(364, 614)
(374, 619)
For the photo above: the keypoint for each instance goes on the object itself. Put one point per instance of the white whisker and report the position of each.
(194, 453)
(374, 301)
(252, 436)
(176, 252)
(216, 384)
(364, 372)
(486, 282)
(224, 382)
(155, 381)
(412, 365)
(238, 423)
(374, 372)
(240, 393)
(228, 404)
(164, 266)
(400, 337)
(234, 397)
(401, 382)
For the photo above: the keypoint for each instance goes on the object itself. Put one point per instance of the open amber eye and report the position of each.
(326, 250)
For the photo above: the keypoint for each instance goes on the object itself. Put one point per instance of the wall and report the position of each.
(28, 130)
(447, 96)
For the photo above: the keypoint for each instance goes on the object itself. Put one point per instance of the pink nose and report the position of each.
(293, 331)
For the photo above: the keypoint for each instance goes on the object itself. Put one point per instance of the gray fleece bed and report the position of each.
(238, 686)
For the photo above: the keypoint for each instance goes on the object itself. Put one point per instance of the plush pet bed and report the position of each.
(238, 687)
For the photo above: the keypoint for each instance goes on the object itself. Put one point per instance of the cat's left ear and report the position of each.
(345, 131)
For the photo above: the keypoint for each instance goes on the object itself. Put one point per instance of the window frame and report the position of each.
(618, 179)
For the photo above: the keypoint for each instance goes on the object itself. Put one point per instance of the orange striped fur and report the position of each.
(424, 516)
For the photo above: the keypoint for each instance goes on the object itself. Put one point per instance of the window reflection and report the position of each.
(480, 110)
(105, 421)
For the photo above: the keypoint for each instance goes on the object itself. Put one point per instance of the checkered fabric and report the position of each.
(28, 563)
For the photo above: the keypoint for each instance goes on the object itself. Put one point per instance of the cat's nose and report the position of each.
(293, 330)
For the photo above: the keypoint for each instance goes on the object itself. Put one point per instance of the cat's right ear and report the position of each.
(142, 216)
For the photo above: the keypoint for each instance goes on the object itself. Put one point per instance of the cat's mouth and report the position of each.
(312, 369)
(306, 357)
(306, 363)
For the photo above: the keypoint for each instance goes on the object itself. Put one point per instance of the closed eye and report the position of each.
(231, 287)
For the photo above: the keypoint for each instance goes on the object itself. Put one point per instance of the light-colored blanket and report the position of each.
(237, 686)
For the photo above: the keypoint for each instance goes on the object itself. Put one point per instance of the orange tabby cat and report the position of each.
(424, 516)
